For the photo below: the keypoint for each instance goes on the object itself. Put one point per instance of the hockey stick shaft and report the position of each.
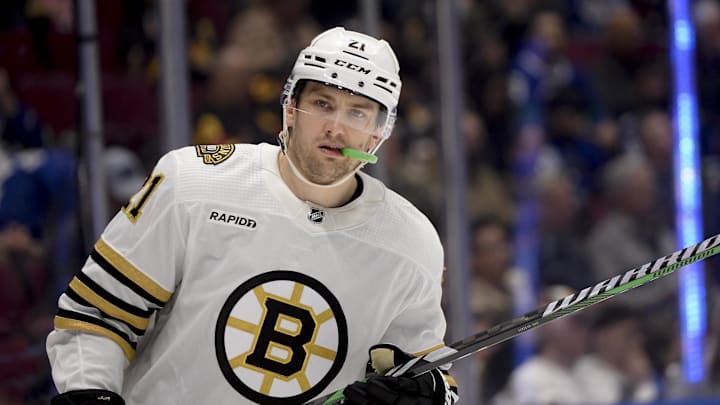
(572, 303)
(575, 302)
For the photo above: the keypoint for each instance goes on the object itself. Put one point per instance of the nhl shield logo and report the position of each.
(316, 216)
(214, 154)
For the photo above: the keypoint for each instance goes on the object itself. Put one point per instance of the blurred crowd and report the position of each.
(567, 105)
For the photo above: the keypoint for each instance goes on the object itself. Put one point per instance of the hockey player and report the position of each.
(262, 274)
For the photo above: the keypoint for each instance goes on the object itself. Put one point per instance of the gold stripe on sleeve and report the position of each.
(74, 324)
(430, 350)
(107, 307)
(131, 272)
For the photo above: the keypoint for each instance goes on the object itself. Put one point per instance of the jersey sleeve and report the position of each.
(130, 274)
(419, 327)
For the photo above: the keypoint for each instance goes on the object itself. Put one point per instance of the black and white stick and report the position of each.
(599, 292)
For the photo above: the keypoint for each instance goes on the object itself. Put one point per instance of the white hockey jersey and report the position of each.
(216, 285)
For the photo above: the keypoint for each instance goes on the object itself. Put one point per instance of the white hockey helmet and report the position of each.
(351, 61)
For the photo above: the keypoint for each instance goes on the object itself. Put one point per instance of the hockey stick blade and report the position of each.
(572, 303)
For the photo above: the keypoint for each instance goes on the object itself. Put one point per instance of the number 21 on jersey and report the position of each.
(133, 208)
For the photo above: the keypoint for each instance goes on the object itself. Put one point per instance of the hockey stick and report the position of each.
(601, 291)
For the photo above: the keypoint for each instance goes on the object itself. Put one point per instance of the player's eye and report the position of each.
(358, 115)
(322, 105)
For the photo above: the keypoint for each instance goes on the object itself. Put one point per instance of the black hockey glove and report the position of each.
(390, 387)
(87, 397)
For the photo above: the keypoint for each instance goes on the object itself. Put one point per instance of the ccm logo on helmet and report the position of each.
(352, 66)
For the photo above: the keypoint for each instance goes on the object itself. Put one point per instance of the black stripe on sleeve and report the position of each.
(97, 257)
(80, 300)
(132, 309)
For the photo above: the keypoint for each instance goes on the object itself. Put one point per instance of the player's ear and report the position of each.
(291, 113)
(374, 140)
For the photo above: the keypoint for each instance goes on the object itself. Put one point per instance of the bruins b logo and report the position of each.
(281, 337)
(214, 154)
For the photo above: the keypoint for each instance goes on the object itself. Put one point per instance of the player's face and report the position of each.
(325, 120)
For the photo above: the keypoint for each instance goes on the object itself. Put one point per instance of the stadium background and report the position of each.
(570, 99)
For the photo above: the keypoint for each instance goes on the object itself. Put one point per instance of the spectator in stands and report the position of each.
(656, 142)
(202, 46)
(542, 69)
(488, 193)
(582, 144)
(631, 233)
(548, 378)
(37, 203)
(620, 65)
(45, 20)
(494, 105)
(512, 19)
(494, 280)
(556, 104)
(562, 255)
(138, 39)
(418, 177)
(298, 24)
(37, 195)
(653, 83)
(245, 78)
(255, 30)
(494, 364)
(227, 100)
(19, 126)
(486, 60)
(706, 16)
(589, 17)
(618, 368)
(25, 317)
(37, 188)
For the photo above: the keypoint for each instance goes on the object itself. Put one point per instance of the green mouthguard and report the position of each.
(359, 155)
